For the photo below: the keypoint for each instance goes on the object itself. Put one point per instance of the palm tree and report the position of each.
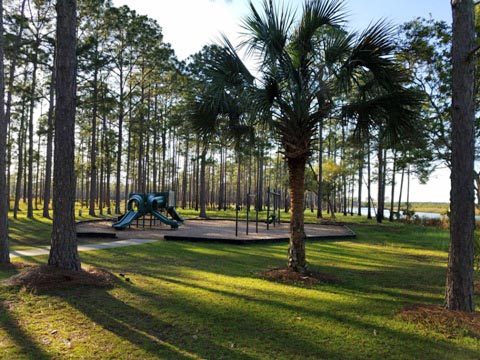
(304, 65)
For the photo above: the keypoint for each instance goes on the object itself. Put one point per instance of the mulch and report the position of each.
(288, 276)
(46, 277)
(450, 323)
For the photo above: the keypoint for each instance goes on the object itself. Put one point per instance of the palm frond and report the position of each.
(266, 34)
(372, 52)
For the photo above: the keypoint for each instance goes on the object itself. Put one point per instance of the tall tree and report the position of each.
(4, 200)
(63, 251)
(296, 89)
(459, 284)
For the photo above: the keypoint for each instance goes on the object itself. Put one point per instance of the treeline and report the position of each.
(135, 133)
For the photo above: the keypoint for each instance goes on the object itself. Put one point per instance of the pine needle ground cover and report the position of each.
(171, 300)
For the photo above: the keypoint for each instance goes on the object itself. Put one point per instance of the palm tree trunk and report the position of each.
(296, 250)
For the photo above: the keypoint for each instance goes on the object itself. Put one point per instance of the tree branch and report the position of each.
(475, 49)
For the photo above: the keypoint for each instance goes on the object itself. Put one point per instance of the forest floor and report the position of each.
(376, 296)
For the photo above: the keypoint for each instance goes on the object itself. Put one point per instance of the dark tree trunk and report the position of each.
(400, 191)
(4, 201)
(119, 144)
(93, 149)
(392, 200)
(381, 184)
(203, 190)
(459, 284)
(222, 185)
(30, 135)
(369, 181)
(360, 180)
(320, 171)
(296, 251)
(185, 175)
(21, 138)
(64, 252)
(48, 166)
(260, 180)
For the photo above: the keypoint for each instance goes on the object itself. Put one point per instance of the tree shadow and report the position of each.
(142, 329)
(25, 346)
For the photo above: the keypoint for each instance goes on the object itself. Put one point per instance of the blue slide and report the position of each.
(126, 220)
(174, 214)
(165, 220)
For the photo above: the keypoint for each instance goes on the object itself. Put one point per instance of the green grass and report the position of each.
(25, 233)
(192, 301)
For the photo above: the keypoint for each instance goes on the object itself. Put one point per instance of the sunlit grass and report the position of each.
(194, 301)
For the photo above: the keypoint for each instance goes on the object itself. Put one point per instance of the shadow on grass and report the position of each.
(246, 325)
(26, 232)
(25, 346)
(142, 329)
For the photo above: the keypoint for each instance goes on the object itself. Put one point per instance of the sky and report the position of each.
(190, 24)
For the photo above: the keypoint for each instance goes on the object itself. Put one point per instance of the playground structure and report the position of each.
(156, 204)
(273, 217)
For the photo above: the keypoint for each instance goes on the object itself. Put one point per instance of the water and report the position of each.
(422, 215)
(425, 215)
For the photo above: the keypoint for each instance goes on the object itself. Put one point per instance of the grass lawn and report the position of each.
(25, 233)
(194, 301)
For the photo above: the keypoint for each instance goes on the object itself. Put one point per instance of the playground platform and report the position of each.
(222, 231)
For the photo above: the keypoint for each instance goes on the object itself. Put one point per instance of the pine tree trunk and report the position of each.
(119, 145)
(93, 149)
(30, 137)
(21, 137)
(381, 184)
(296, 250)
(222, 184)
(320, 171)
(48, 166)
(203, 191)
(459, 283)
(369, 180)
(64, 252)
(360, 180)
(4, 242)
(185, 174)
(392, 198)
(400, 191)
